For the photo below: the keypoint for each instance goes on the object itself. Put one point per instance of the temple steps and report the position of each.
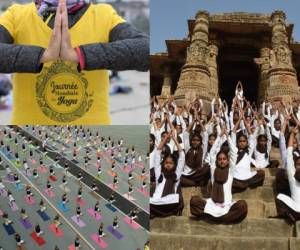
(257, 231)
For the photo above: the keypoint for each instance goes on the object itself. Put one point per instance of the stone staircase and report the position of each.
(257, 231)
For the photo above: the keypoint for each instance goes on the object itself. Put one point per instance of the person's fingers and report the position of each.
(65, 25)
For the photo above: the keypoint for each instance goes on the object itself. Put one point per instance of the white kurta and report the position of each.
(242, 170)
(157, 198)
(294, 201)
(212, 208)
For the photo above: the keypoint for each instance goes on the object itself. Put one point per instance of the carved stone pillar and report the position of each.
(167, 83)
(194, 79)
(213, 69)
(283, 84)
(264, 63)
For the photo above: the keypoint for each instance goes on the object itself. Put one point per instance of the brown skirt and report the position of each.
(285, 211)
(199, 178)
(236, 213)
(253, 182)
(282, 182)
(167, 209)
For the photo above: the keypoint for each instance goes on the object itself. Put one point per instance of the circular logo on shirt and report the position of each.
(62, 92)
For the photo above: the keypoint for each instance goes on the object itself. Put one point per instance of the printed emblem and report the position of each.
(62, 92)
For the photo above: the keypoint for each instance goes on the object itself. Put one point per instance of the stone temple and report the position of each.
(222, 49)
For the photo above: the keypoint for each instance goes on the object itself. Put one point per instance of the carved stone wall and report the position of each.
(283, 84)
(194, 79)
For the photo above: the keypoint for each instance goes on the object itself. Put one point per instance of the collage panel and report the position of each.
(74, 62)
(74, 187)
(224, 132)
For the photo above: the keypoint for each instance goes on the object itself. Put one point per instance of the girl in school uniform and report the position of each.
(220, 208)
(262, 149)
(242, 174)
(289, 206)
(194, 172)
(167, 198)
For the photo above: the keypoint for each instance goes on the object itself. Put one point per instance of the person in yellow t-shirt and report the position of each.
(59, 52)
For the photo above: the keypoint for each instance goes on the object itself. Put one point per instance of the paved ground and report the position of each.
(133, 238)
(126, 109)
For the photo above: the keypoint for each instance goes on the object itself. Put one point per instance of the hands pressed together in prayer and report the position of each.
(60, 42)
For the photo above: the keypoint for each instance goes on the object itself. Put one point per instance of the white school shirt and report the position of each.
(294, 201)
(242, 171)
(156, 199)
(260, 161)
(212, 208)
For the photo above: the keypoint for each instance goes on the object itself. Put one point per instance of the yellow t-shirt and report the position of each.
(60, 94)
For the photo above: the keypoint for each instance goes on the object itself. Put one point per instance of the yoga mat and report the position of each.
(111, 173)
(26, 223)
(10, 177)
(144, 192)
(42, 170)
(43, 215)
(28, 173)
(53, 178)
(18, 164)
(50, 193)
(128, 197)
(30, 201)
(39, 240)
(33, 161)
(58, 233)
(132, 223)
(19, 187)
(126, 169)
(81, 202)
(101, 243)
(111, 207)
(92, 213)
(3, 192)
(79, 222)
(72, 247)
(113, 187)
(115, 232)
(14, 206)
(63, 208)
(9, 229)
(62, 188)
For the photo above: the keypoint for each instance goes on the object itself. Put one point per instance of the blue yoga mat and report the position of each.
(63, 208)
(43, 215)
(9, 229)
(111, 207)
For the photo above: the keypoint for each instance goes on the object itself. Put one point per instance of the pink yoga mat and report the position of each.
(101, 243)
(14, 207)
(30, 201)
(143, 191)
(133, 224)
(92, 214)
(81, 202)
(113, 187)
(50, 193)
(42, 169)
(58, 233)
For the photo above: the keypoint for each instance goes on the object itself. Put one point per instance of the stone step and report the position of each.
(199, 242)
(263, 193)
(247, 228)
(260, 200)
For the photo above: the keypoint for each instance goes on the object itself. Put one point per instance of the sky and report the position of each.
(168, 18)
